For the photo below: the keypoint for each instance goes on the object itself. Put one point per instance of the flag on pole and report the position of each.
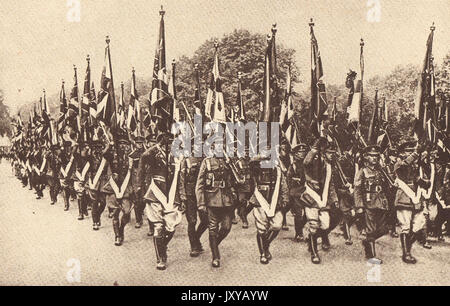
(62, 107)
(237, 110)
(319, 105)
(198, 105)
(265, 107)
(121, 108)
(215, 104)
(73, 99)
(425, 102)
(106, 107)
(86, 99)
(356, 91)
(134, 110)
(173, 94)
(92, 105)
(374, 126)
(287, 120)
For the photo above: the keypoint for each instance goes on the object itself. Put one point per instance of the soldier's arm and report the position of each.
(143, 161)
(358, 190)
(200, 186)
(332, 195)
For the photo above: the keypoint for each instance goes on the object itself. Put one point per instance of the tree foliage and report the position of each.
(5, 119)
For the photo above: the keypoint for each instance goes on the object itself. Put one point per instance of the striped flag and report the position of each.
(121, 120)
(173, 93)
(356, 91)
(73, 99)
(198, 105)
(86, 99)
(106, 103)
(215, 104)
(92, 105)
(134, 109)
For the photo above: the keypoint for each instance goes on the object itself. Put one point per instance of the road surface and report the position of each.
(44, 245)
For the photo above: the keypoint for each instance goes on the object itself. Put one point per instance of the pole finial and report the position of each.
(88, 59)
(362, 43)
(311, 22)
(174, 62)
(274, 28)
(216, 44)
(162, 11)
(269, 38)
(239, 75)
(432, 28)
(196, 67)
(74, 67)
(108, 40)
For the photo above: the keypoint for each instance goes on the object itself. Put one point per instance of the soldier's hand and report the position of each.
(202, 208)
(353, 212)
(359, 211)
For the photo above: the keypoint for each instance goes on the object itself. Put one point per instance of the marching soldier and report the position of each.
(79, 177)
(244, 188)
(371, 201)
(285, 162)
(161, 197)
(139, 206)
(216, 196)
(442, 196)
(296, 183)
(270, 197)
(118, 188)
(65, 174)
(409, 200)
(190, 167)
(52, 172)
(319, 196)
(98, 177)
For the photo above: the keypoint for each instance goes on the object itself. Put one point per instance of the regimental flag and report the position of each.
(92, 105)
(106, 107)
(86, 99)
(160, 102)
(334, 111)
(265, 107)
(374, 127)
(73, 99)
(319, 103)
(45, 116)
(215, 104)
(173, 93)
(237, 110)
(275, 99)
(355, 95)
(134, 108)
(287, 120)
(198, 105)
(121, 120)
(383, 139)
(425, 102)
(62, 107)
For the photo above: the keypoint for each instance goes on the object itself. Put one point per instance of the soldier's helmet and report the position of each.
(301, 147)
(122, 138)
(373, 150)
(139, 139)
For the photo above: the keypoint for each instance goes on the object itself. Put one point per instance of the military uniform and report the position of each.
(80, 176)
(270, 198)
(161, 197)
(52, 174)
(370, 200)
(136, 196)
(66, 172)
(319, 197)
(118, 189)
(409, 201)
(442, 196)
(188, 178)
(98, 177)
(296, 182)
(244, 189)
(215, 193)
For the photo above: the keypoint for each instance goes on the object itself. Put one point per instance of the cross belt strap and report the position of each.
(321, 200)
(427, 192)
(168, 204)
(119, 192)
(269, 209)
(414, 196)
(81, 176)
(92, 184)
(65, 171)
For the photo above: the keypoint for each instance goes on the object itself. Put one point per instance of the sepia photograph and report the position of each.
(208, 145)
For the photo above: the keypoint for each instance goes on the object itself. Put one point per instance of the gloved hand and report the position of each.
(202, 208)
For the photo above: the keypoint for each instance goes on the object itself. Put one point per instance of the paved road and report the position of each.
(41, 244)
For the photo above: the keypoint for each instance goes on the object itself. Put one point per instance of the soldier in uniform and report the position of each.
(118, 188)
(408, 199)
(161, 197)
(319, 196)
(65, 174)
(296, 183)
(38, 177)
(79, 177)
(136, 197)
(52, 172)
(270, 198)
(285, 162)
(371, 201)
(244, 187)
(216, 195)
(98, 178)
(442, 196)
(190, 167)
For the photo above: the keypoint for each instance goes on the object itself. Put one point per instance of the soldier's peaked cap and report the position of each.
(301, 147)
(372, 150)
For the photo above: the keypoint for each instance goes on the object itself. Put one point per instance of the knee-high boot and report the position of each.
(116, 228)
(213, 243)
(260, 239)
(312, 241)
(406, 243)
(80, 208)
(160, 262)
(347, 233)
(271, 235)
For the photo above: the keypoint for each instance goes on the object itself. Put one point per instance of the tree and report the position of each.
(5, 119)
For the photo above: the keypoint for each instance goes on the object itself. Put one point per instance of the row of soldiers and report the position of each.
(322, 187)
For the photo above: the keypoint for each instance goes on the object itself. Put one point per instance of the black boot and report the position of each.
(270, 237)
(299, 224)
(312, 246)
(116, 228)
(213, 243)
(406, 249)
(80, 210)
(261, 246)
(284, 226)
(325, 241)
(347, 234)
(374, 258)
(422, 239)
(151, 229)
(160, 262)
